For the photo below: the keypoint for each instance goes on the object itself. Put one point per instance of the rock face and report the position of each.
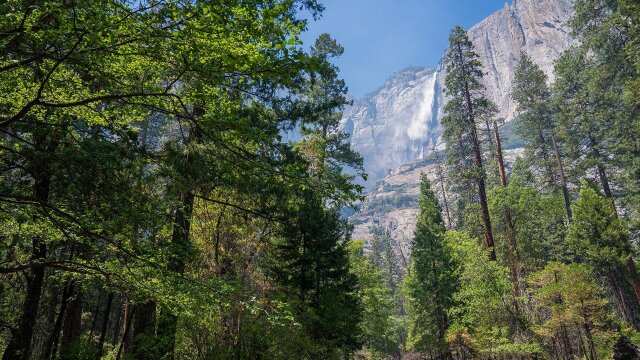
(537, 27)
(396, 126)
(399, 122)
(392, 205)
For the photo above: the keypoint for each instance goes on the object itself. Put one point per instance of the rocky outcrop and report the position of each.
(394, 124)
(392, 205)
(537, 27)
(399, 122)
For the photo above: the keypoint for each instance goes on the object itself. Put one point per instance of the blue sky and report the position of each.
(381, 37)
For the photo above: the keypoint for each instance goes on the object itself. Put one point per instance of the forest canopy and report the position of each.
(174, 177)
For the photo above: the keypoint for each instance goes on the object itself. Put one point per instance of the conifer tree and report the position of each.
(601, 239)
(311, 265)
(312, 261)
(431, 283)
(467, 104)
(536, 123)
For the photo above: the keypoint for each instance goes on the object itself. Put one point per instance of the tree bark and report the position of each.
(501, 168)
(444, 197)
(563, 180)
(105, 323)
(125, 344)
(72, 324)
(52, 344)
(479, 175)
(19, 347)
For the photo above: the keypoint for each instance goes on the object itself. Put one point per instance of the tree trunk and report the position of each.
(52, 344)
(592, 348)
(444, 197)
(479, 176)
(168, 322)
(125, 344)
(94, 321)
(545, 157)
(105, 323)
(618, 294)
(511, 233)
(118, 324)
(604, 180)
(72, 324)
(19, 347)
(143, 334)
(501, 168)
(563, 181)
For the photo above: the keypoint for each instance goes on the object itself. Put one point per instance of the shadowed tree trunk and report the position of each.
(72, 324)
(105, 323)
(143, 334)
(19, 346)
(477, 155)
(52, 344)
(563, 180)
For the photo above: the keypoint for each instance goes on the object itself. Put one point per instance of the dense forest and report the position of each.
(173, 180)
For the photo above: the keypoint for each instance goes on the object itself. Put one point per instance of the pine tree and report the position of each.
(467, 105)
(324, 145)
(431, 283)
(536, 123)
(311, 265)
(600, 238)
(574, 309)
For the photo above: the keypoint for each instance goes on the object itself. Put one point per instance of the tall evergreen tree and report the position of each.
(431, 283)
(536, 123)
(601, 239)
(467, 104)
(311, 262)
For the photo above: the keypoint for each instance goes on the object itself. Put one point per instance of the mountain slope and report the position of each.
(399, 122)
(393, 131)
(392, 125)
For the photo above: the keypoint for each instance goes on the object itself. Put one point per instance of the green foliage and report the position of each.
(539, 220)
(574, 307)
(484, 294)
(431, 283)
(380, 326)
(597, 234)
(535, 117)
(464, 74)
(311, 265)
(140, 139)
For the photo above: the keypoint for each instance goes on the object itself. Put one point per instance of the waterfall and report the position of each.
(418, 128)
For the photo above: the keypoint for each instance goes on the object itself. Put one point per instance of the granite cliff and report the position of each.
(396, 126)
